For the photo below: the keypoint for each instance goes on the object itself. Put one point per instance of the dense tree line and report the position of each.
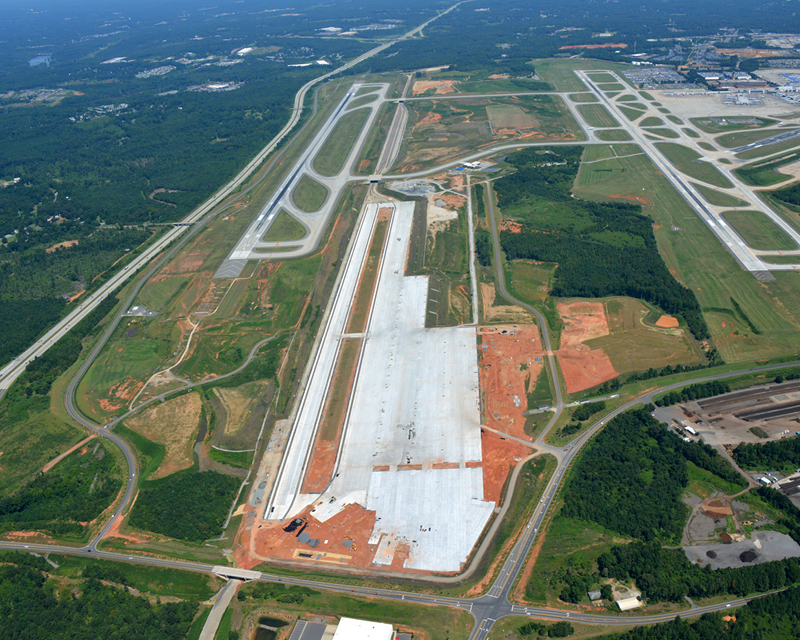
(601, 249)
(76, 490)
(791, 514)
(561, 629)
(31, 608)
(586, 411)
(775, 454)
(667, 575)
(776, 616)
(201, 499)
(694, 392)
(630, 479)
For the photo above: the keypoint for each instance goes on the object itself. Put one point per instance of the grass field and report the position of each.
(759, 231)
(613, 135)
(770, 149)
(723, 125)
(741, 138)
(174, 425)
(530, 281)
(627, 97)
(309, 195)
(718, 198)
(284, 227)
(439, 131)
(632, 345)
(708, 147)
(764, 172)
(646, 96)
(651, 121)
(699, 261)
(596, 115)
(117, 374)
(560, 72)
(703, 483)
(362, 101)
(158, 293)
(781, 259)
(664, 132)
(500, 85)
(688, 162)
(631, 114)
(568, 543)
(599, 77)
(28, 444)
(152, 580)
(583, 97)
(611, 86)
(675, 119)
(691, 132)
(333, 154)
(373, 145)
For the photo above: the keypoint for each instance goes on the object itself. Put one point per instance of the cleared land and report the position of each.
(583, 97)
(173, 424)
(688, 161)
(651, 121)
(635, 343)
(742, 138)
(596, 115)
(285, 227)
(759, 231)
(664, 133)
(697, 259)
(309, 195)
(613, 135)
(333, 154)
(723, 125)
(530, 280)
(717, 198)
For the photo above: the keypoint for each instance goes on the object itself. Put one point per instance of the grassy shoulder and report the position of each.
(333, 154)
(689, 162)
(309, 195)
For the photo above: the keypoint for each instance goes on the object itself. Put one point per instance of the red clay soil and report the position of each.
(583, 367)
(507, 360)
(499, 455)
(353, 523)
(632, 197)
(323, 457)
(667, 322)
(441, 86)
(513, 227)
(431, 118)
(59, 458)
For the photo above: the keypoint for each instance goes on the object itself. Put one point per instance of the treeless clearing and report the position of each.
(511, 359)
(173, 424)
(632, 198)
(59, 458)
(499, 456)
(583, 367)
(323, 456)
(755, 53)
(441, 86)
(501, 314)
(237, 407)
(65, 245)
(667, 322)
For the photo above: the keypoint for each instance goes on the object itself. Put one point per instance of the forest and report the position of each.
(694, 392)
(201, 499)
(76, 490)
(775, 454)
(602, 249)
(32, 607)
(773, 617)
(630, 479)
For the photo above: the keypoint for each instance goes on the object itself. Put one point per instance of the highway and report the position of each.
(486, 609)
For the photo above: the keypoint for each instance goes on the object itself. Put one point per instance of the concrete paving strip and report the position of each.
(224, 598)
(290, 476)
(415, 406)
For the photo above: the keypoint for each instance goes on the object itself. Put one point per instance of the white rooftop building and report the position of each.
(352, 629)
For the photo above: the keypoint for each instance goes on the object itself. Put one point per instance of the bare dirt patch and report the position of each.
(59, 458)
(511, 359)
(173, 424)
(512, 227)
(755, 53)
(65, 245)
(502, 313)
(667, 322)
(583, 367)
(440, 87)
(499, 455)
(631, 197)
(237, 407)
(323, 457)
